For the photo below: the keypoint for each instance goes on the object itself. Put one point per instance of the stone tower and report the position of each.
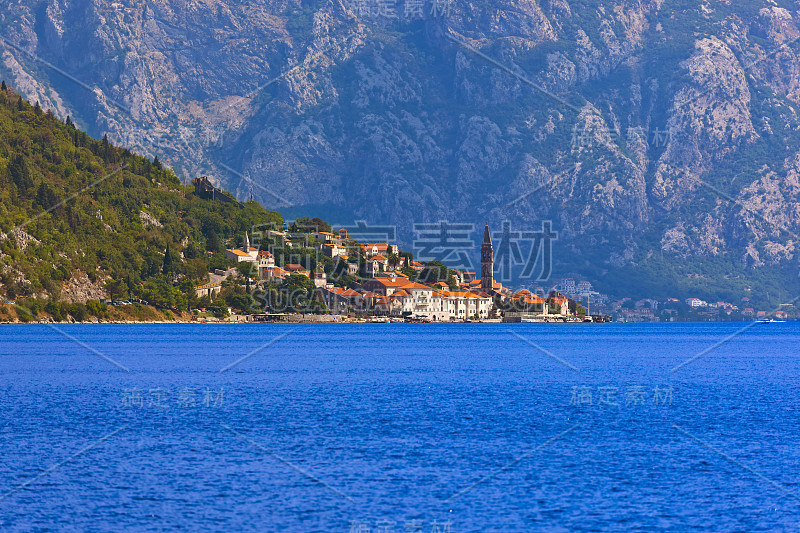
(487, 262)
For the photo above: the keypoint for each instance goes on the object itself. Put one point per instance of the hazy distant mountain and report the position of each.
(661, 137)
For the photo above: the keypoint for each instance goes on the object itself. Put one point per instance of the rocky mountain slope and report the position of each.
(659, 136)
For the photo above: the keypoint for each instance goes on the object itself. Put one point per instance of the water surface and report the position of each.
(400, 427)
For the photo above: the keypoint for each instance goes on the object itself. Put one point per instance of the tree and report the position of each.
(297, 290)
(167, 267)
(157, 290)
(434, 272)
(187, 288)
(193, 250)
(79, 312)
(37, 109)
(320, 224)
(3, 87)
(246, 269)
(115, 288)
(45, 196)
(129, 286)
(54, 308)
(410, 272)
(68, 122)
(393, 260)
(20, 173)
(212, 242)
(106, 148)
(452, 283)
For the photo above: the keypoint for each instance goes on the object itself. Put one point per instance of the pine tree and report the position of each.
(21, 174)
(106, 148)
(19, 104)
(3, 87)
(167, 266)
(37, 109)
(68, 122)
(212, 243)
(45, 196)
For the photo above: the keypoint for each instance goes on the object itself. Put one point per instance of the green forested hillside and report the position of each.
(72, 204)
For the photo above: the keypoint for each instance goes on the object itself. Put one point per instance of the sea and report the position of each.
(365, 428)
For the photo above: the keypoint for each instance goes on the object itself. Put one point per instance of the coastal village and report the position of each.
(376, 281)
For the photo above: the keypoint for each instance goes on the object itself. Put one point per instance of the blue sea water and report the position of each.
(400, 427)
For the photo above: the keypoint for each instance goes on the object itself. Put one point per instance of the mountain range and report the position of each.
(660, 137)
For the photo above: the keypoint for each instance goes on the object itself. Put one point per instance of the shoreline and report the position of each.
(290, 321)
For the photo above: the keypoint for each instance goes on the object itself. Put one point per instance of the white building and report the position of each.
(695, 302)
(245, 254)
(406, 297)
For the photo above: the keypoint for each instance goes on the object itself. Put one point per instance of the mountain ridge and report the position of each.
(661, 138)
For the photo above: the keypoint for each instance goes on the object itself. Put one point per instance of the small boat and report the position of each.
(771, 321)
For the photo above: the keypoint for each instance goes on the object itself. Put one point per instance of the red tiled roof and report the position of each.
(462, 295)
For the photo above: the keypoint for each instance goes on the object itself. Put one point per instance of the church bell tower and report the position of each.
(487, 262)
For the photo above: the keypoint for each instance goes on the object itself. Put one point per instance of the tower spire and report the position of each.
(487, 262)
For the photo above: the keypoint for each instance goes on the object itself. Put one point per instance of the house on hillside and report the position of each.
(341, 300)
(334, 250)
(325, 237)
(376, 265)
(244, 254)
(294, 268)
